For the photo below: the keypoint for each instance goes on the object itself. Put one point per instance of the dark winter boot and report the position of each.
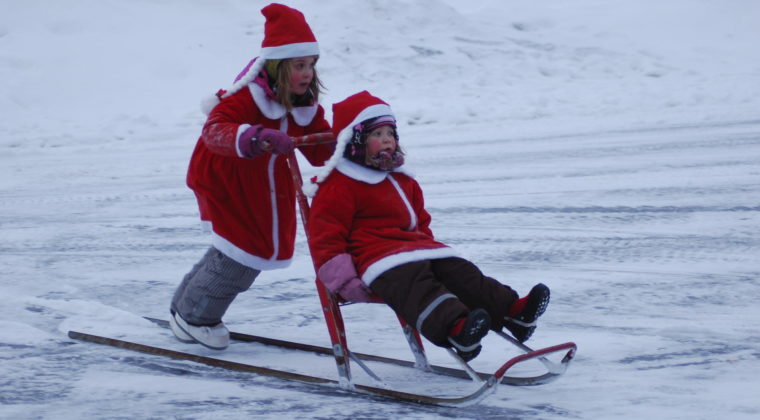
(521, 321)
(466, 334)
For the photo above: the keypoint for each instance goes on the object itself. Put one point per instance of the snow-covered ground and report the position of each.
(608, 149)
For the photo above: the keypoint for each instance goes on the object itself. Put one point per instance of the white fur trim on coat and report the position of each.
(302, 115)
(360, 173)
(249, 260)
(384, 264)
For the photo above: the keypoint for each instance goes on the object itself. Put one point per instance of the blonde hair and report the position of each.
(283, 91)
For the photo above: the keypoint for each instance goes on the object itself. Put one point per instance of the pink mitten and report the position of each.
(279, 142)
(257, 140)
(340, 277)
(355, 290)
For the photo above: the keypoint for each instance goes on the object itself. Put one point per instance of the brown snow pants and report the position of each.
(431, 295)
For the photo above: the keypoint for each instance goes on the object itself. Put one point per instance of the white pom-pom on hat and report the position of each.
(208, 103)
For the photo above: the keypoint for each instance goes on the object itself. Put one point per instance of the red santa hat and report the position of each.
(347, 114)
(286, 35)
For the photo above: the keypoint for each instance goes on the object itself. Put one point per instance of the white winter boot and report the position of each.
(215, 337)
(178, 333)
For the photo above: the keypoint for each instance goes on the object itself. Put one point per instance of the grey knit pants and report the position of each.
(210, 287)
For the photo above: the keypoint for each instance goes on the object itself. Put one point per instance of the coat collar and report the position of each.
(302, 115)
(365, 174)
(359, 172)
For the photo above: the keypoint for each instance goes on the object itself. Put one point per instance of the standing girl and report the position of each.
(369, 232)
(240, 177)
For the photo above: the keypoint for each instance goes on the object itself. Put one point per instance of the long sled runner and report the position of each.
(485, 383)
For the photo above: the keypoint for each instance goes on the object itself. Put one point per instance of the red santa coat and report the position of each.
(377, 217)
(250, 203)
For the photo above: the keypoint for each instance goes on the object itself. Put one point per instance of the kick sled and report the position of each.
(331, 307)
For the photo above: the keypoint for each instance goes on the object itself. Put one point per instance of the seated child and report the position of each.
(369, 232)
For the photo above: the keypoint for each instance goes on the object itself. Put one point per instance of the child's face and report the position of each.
(301, 73)
(382, 138)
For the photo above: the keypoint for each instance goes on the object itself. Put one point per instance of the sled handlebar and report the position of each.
(313, 139)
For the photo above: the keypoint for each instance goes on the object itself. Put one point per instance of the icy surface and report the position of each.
(608, 149)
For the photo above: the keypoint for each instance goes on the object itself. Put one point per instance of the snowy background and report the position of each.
(608, 149)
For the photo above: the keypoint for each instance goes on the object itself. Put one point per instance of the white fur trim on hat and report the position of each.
(299, 49)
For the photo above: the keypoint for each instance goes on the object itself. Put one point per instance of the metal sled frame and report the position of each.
(343, 356)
